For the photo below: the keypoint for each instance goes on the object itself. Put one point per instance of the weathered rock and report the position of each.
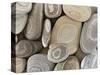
(67, 31)
(34, 26)
(46, 33)
(57, 53)
(23, 7)
(78, 13)
(89, 61)
(52, 10)
(88, 41)
(18, 23)
(25, 48)
(39, 63)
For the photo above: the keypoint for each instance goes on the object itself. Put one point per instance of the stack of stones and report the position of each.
(52, 37)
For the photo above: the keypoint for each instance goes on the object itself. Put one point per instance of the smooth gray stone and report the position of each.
(18, 23)
(26, 48)
(89, 61)
(52, 10)
(18, 64)
(39, 63)
(46, 33)
(57, 52)
(23, 7)
(34, 26)
(88, 40)
(69, 64)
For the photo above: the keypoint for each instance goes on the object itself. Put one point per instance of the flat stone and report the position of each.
(18, 23)
(39, 63)
(46, 33)
(88, 41)
(26, 48)
(78, 13)
(89, 61)
(23, 7)
(52, 10)
(34, 25)
(67, 31)
(57, 53)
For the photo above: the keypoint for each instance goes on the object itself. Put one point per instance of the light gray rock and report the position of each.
(39, 63)
(88, 41)
(46, 33)
(34, 26)
(52, 10)
(18, 23)
(23, 7)
(89, 61)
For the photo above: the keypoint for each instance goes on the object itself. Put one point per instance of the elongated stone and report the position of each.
(88, 41)
(16, 38)
(46, 33)
(18, 23)
(25, 48)
(67, 31)
(18, 64)
(39, 63)
(89, 61)
(52, 10)
(22, 8)
(57, 53)
(34, 26)
(78, 13)
(70, 63)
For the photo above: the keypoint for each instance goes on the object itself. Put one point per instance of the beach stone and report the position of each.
(18, 23)
(26, 48)
(89, 61)
(67, 31)
(52, 10)
(88, 40)
(46, 33)
(39, 63)
(23, 7)
(78, 13)
(34, 25)
(57, 53)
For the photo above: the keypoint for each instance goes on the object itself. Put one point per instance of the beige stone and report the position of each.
(78, 13)
(67, 31)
